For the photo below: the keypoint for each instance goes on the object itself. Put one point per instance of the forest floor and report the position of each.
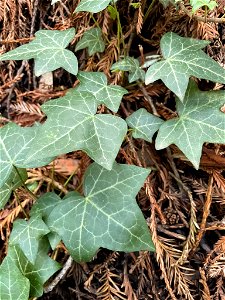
(189, 262)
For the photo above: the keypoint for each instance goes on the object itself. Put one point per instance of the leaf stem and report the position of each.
(96, 23)
(119, 30)
(23, 210)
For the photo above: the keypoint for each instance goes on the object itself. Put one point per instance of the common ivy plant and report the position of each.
(92, 39)
(131, 65)
(199, 120)
(48, 51)
(183, 58)
(106, 213)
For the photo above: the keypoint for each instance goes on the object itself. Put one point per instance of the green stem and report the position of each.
(119, 31)
(96, 23)
(67, 181)
(148, 11)
(23, 210)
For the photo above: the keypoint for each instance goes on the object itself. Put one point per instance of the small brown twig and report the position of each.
(206, 211)
(61, 274)
(148, 98)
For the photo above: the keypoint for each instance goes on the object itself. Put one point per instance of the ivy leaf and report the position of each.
(200, 120)
(27, 234)
(196, 4)
(93, 6)
(131, 65)
(144, 124)
(44, 206)
(48, 51)
(92, 39)
(96, 83)
(15, 143)
(37, 273)
(183, 58)
(13, 284)
(107, 216)
(13, 182)
(73, 125)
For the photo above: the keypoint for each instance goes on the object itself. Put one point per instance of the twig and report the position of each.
(206, 211)
(62, 273)
(148, 98)
(171, 233)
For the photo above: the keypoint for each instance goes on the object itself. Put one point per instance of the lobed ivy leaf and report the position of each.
(73, 124)
(92, 39)
(96, 83)
(196, 4)
(13, 284)
(12, 183)
(48, 51)
(27, 235)
(44, 206)
(200, 120)
(131, 65)
(93, 6)
(144, 124)
(183, 58)
(39, 272)
(16, 142)
(106, 216)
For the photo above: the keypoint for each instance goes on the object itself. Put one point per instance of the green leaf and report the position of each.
(200, 120)
(44, 206)
(15, 143)
(93, 6)
(196, 4)
(27, 234)
(135, 5)
(183, 58)
(48, 51)
(113, 12)
(92, 39)
(73, 125)
(13, 182)
(96, 83)
(13, 285)
(144, 124)
(37, 273)
(133, 66)
(107, 216)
